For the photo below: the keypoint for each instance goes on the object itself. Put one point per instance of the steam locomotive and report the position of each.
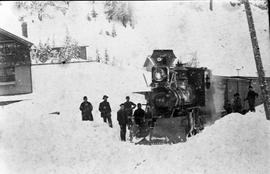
(177, 101)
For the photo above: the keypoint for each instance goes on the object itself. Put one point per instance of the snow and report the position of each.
(220, 37)
(34, 141)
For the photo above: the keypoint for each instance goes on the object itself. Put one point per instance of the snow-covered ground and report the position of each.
(34, 141)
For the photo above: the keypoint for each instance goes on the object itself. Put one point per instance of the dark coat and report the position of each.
(237, 106)
(148, 115)
(251, 96)
(122, 117)
(86, 109)
(139, 114)
(105, 108)
(129, 106)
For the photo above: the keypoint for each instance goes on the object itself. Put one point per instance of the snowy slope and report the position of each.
(34, 141)
(219, 37)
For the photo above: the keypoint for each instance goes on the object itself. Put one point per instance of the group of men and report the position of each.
(237, 105)
(125, 116)
(104, 109)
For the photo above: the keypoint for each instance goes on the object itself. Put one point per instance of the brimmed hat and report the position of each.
(122, 104)
(105, 96)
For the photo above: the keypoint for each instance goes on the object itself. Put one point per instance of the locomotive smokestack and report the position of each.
(24, 29)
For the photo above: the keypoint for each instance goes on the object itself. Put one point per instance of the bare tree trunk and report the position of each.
(211, 5)
(268, 5)
(258, 60)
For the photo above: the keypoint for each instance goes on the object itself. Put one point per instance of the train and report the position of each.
(183, 99)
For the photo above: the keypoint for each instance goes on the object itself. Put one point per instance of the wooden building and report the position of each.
(15, 64)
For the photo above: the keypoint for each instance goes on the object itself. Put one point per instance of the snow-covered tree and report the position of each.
(40, 9)
(119, 11)
(42, 52)
(71, 50)
(114, 62)
(88, 17)
(98, 58)
(94, 14)
(114, 32)
(107, 33)
(262, 4)
(106, 57)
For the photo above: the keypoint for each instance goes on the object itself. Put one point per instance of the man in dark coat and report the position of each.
(86, 109)
(129, 106)
(123, 121)
(148, 115)
(237, 106)
(139, 115)
(251, 96)
(105, 110)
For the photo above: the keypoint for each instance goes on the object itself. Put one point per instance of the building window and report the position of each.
(7, 75)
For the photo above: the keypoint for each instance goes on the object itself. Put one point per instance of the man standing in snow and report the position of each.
(129, 106)
(148, 115)
(237, 106)
(86, 109)
(123, 121)
(139, 115)
(105, 110)
(251, 96)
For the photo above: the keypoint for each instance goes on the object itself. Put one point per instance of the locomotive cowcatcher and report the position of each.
(176, 105)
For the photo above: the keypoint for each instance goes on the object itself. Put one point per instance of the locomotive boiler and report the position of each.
(177, 100)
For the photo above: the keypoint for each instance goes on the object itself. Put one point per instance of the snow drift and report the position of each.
(34, 141)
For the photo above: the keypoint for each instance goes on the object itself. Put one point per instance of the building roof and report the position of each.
(20, 39)
(62, 46)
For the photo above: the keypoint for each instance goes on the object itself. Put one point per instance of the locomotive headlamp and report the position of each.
(159, 74)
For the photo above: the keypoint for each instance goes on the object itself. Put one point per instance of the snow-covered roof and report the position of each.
(20, 39)
(61, 46)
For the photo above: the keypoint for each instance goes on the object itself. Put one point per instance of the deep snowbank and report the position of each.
(34, 141)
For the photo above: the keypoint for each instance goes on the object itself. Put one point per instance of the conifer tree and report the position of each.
(98, 59)
(114, 32)
(106, 57)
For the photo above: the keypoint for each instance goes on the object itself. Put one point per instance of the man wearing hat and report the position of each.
(86, 109)
(251, 96)
(123, 121)
(129, 106)
(105, 110)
